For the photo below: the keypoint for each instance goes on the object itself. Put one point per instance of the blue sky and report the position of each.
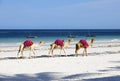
(59, 14)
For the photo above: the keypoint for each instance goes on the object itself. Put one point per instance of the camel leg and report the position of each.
(85, 52)
(49, 52)
(77, 49)
(52, 52)
(51, 49)
(76, 52)
(17, 55)
(60, 51)
(30, 55)
(64, 51)
(22, 52)
(19, 51)
(33, 52)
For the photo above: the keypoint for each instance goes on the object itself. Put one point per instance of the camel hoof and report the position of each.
(30, 57)
(21, 57)
(83, 55)
(49, 55)
(76, 55)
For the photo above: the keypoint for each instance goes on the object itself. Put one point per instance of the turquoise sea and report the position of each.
(14, 37)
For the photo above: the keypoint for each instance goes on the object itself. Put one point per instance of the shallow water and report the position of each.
(13, 38)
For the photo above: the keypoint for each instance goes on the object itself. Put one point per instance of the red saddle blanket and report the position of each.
(28, 43)
(59, 42)
(84, 42)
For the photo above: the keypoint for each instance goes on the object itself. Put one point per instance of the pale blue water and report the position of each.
(13, 38)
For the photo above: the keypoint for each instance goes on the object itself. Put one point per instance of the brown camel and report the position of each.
(83, 44)
(59, 44)
(28, 44)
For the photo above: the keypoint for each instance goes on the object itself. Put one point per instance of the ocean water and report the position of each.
(13, 38)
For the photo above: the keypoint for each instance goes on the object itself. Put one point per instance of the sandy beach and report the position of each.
(101, 64)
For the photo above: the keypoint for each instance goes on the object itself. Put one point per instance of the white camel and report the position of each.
(82, 45)
(32, 47)
(58, 45)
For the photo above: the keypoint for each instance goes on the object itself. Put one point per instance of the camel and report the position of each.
(60, 44)
(81, 44)
(31, 46)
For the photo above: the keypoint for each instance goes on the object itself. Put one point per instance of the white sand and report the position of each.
(102, 64)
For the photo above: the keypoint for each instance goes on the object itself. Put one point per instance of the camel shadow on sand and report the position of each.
(36, 57)
(46, 56)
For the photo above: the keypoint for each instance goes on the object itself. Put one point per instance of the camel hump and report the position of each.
(28, 43)
(84, 42)
(59, 42)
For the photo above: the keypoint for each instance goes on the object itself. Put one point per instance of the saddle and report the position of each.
(28, 43)
(84, 43)
(59, 42)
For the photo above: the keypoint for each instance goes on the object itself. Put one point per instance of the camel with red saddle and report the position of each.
(83, 44)
(30, 45)
(61, 44)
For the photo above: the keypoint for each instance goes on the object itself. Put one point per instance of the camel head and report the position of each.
(41, 42)
(66, 44)
(70, 40)
(92, 41)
